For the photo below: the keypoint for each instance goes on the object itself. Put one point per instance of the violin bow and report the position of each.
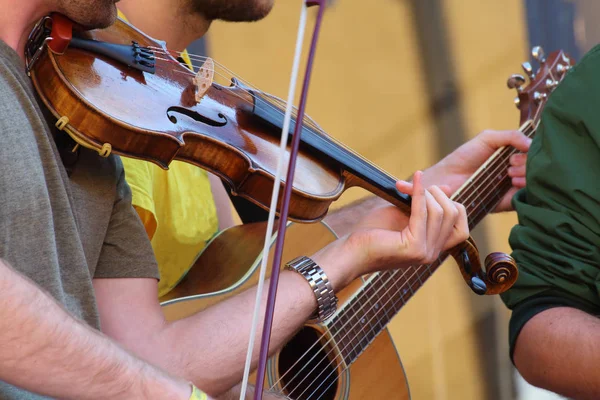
(284, 207)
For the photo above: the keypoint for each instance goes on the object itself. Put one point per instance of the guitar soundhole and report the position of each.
(309, 372)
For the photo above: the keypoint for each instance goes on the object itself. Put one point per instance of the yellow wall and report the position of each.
(367, 91)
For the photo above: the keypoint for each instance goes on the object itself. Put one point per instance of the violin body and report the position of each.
(376, 373)
(155, 117)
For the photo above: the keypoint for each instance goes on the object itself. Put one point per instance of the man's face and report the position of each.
(233, 10)
(89, 13)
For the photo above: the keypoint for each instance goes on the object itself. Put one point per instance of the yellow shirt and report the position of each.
(177, 209)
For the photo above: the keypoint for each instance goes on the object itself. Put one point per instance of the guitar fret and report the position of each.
(382, 297)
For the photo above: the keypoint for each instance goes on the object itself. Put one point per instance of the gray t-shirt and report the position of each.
(61, 230)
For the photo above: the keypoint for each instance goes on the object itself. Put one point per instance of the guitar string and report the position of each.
(272, 106)
(495, 168)
(334, 370)
(503, 182)
(419, 269)
(354, 346)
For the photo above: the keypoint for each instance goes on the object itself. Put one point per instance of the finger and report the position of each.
(497, 139)
(417, 223)
(446, 189)
(518, 159)
(448, 220)
(435, 218)
(405, 187)
(460, 232)
(506, 202)
(514, 172)
(519, 182)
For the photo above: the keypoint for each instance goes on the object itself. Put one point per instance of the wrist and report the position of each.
(340, 262)
(434, 175)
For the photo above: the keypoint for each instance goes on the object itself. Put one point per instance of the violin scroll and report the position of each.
(500, 271)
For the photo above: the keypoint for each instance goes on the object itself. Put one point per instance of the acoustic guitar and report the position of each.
(352, 355)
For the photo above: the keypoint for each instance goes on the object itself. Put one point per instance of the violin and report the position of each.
(118, 91)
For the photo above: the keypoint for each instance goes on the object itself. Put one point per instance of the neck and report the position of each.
(17, 22)
(165, 20)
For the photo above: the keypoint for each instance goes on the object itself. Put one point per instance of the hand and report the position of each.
(388, 239)
(459, 165)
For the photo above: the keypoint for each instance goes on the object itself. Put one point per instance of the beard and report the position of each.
(91, 14)
(232, 10)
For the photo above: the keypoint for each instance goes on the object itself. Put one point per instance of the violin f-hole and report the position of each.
(195, 116)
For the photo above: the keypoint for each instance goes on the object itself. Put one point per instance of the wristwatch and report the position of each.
(319, 283)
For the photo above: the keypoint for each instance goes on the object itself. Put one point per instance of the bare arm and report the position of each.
(452, 171)
(209, 348)
(38, 336)
(558, 350)
(222, 202)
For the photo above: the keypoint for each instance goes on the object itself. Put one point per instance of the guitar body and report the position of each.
(376, 374)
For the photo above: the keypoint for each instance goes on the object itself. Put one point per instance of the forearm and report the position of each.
(38, 336)
(558, 350)
(342, 220)
(219, 335)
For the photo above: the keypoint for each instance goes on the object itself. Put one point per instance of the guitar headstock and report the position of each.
(532, 98)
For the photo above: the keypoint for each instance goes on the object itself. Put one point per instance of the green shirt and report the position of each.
(557, 241)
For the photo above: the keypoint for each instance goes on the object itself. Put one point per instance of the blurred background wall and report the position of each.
(403, 82)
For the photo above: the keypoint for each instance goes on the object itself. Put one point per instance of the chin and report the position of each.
(101, 14)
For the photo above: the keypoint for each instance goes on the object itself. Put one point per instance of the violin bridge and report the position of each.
(204, 78)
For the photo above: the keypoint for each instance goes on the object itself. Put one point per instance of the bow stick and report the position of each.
(283, 215)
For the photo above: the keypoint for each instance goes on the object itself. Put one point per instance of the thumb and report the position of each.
(405, 187)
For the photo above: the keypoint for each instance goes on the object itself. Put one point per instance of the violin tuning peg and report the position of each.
(515, 82)
(528, 70)
(538, 53)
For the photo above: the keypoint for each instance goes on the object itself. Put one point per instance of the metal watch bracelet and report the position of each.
(319, 283)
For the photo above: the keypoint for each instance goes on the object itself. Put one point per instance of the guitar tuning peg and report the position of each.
(515, 82)
(528, 70)
(538, 53)
(517, 102)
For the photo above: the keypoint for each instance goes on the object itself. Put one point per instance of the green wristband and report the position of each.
(198, 394)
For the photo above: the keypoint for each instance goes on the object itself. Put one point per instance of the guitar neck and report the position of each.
(384, 294)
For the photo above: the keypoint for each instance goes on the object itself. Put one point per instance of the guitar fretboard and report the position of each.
(384, 294)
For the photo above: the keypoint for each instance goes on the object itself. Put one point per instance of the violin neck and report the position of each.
(357, 170)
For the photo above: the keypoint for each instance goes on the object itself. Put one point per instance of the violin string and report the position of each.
(307, 121)
(251, 86)
(504, 183)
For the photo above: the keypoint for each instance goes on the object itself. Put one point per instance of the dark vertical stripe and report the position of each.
(551, 24)
(445, 107)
